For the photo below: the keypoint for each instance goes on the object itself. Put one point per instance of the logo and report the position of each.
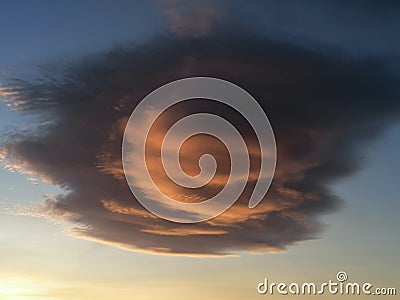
(152, 149)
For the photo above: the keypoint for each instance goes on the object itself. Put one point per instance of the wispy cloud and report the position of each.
(193, 18)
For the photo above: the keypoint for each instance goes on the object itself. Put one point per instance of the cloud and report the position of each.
(324, 109)
(192, 18)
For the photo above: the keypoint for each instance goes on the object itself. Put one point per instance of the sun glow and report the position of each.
(16, 288)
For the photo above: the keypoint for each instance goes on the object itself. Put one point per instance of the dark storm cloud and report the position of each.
(324, 109)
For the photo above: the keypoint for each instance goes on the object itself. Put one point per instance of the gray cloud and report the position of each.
(324, 108)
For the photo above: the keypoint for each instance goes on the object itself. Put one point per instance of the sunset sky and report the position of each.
(326, 73)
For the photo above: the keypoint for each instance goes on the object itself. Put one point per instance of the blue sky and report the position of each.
(53, 29)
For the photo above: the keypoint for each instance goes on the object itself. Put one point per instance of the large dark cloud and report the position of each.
(324, 108)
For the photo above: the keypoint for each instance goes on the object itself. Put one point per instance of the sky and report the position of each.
(326, 74)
